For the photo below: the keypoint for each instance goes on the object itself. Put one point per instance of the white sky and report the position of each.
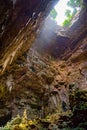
(61, 7)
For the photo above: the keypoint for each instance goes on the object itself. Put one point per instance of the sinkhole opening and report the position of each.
(65, 10)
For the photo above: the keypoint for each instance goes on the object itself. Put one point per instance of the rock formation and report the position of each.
(43, 68)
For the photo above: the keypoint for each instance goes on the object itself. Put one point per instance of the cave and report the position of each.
(43, 67)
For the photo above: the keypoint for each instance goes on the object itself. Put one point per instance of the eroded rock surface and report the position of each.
(50, 83)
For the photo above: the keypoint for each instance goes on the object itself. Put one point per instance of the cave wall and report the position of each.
(37, 82)
(18, 26)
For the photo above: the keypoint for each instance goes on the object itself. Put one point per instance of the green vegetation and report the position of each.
(74, 4)
(69, 16)
(23, 123)
(53, 14)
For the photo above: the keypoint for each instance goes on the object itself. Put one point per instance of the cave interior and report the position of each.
(43, 67)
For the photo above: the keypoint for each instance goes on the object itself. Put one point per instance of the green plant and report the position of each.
(53, 14)
(74, 4)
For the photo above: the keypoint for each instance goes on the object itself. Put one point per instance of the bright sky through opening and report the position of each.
(61, 7)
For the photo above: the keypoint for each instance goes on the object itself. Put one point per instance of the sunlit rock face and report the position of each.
(35, 83)
(19, 21)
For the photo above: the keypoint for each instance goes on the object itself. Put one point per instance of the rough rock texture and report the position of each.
(35, 83)
(19, 21)
(49, 80)
(45, 87)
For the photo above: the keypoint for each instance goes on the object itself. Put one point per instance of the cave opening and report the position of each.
(65, 10)
(58, 27)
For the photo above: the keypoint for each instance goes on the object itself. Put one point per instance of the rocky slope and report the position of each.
(52, 92)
